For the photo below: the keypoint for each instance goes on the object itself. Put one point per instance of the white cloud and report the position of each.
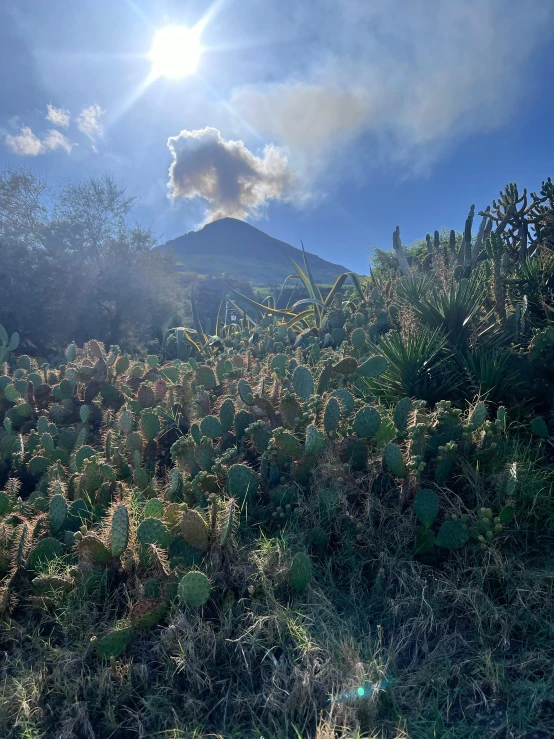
(88, 121)
(56, 140)
(413, 75)
(26, 143)
(234, 181)
(58, 116)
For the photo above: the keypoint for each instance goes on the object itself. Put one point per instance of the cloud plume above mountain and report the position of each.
(226, 174)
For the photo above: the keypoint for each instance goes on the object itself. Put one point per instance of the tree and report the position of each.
(76, 267)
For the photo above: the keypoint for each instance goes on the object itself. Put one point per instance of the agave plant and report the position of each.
(451, 310)
(489, 374)
(319, 307)
(418, 366)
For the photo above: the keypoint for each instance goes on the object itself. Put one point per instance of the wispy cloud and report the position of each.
(58, 116)
(26, 143)
(89, 123)
(229, 177)
(56, 140)
(415, 75)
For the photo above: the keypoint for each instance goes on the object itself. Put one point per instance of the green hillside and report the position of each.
(237, 248)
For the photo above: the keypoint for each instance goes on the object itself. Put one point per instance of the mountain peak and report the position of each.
(236, 247)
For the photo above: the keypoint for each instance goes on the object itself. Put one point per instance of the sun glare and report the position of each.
(175, 52)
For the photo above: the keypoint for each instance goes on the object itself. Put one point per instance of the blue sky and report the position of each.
(322, 121)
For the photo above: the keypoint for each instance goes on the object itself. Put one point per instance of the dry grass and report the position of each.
(467, 641)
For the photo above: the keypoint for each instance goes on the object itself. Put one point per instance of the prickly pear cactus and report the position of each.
(287, 443)
(401, 414)
(58, 511)
(331, 416)
(93, 551)
(194, 530)
(147, 613)
(245, 392)
(394, 460)
(194, 589)
(227, 415)
(346, 401)
(539, 428)
(241, 481)
(150, 425)
(114, 643)
(426, 507)
(315, 440)
(153, 531)
(205, 376)
(478, 416)
(358, 338)
(346, 366)
(303, 382)
(211, 427)
(300, 572)
(119, 530)
(367, 422)
(452, 535)
(373, 367)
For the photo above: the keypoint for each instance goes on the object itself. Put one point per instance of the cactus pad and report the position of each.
(211, 427)
(227, 415)
(331, 416)
(147, 613)
(393, 459)
(452, 535)
(114, 643)
(373, 367)
(119, 531)
(194, 589)
(58, 511)
(303, 382)
(300, 572)
(194, 530)
(346, 366)
(241, 481)
(367, 422)
(426, 507)
(153, 531)
(401, 414)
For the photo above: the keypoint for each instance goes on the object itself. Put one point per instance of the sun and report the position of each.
(175, 52)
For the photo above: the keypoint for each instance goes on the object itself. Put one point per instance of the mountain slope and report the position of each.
(236, 247)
